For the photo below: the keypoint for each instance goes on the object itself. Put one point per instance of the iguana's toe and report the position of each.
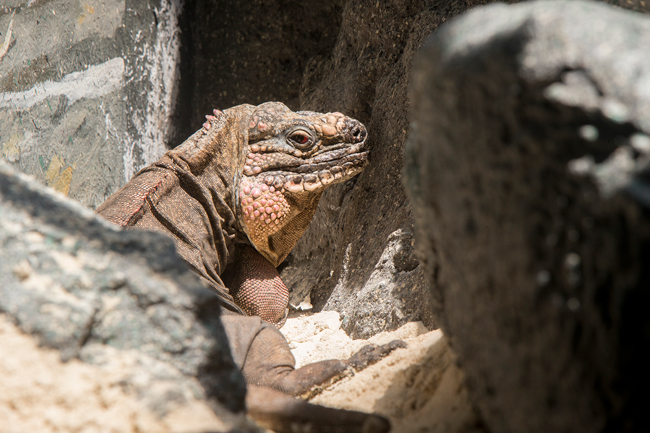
(371, 353)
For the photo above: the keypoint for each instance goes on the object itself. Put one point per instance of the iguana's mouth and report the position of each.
(317, 172)
(328, 162)
(277, 160)
(312, 176)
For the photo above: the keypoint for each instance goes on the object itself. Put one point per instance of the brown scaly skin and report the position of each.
(235, 197)
(299, 416)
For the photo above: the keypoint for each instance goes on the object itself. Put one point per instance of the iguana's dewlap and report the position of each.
(290, 158)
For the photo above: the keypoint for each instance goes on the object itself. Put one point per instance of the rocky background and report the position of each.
(525, 250)
(92, 91)
(87, 90)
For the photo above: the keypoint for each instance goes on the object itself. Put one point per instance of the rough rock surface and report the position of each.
(119, 304)
(86, 127)
(528, 172)
(87, 90)
(419, 387)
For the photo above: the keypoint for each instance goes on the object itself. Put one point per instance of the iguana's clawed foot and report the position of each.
(371, 354)
(284, 414)
(265, 359)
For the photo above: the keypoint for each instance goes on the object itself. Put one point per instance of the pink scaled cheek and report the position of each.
(263, 209)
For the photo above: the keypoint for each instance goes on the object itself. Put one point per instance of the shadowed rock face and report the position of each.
(528, 172)
(79, 285)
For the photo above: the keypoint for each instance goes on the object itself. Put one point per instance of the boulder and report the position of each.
(527, 168)
(117, 313)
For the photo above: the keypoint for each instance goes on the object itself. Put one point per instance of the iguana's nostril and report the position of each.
(356, 132)
(359, 133)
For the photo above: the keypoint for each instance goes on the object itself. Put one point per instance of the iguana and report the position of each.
(235, 197)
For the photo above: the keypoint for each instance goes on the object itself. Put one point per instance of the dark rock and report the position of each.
(82, 286)
(527, 169)
(248, 52)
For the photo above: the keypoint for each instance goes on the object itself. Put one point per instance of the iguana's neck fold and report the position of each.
(189, 195)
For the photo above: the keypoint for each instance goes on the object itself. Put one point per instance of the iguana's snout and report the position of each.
(352, 130)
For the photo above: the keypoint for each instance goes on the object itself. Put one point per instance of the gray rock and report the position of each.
(87, 90)
(527, 168)
(82, 286)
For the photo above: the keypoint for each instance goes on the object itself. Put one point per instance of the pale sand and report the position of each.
(419, 388)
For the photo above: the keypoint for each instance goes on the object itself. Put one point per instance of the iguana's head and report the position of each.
(290, 158)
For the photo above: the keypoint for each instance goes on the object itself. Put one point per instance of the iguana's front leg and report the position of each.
(263, 355)
(258, 289)
(265, 359)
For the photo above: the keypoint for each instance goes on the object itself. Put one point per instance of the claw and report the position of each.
(371, 354)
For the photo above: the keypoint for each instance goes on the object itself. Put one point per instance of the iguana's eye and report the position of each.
(300, 138)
